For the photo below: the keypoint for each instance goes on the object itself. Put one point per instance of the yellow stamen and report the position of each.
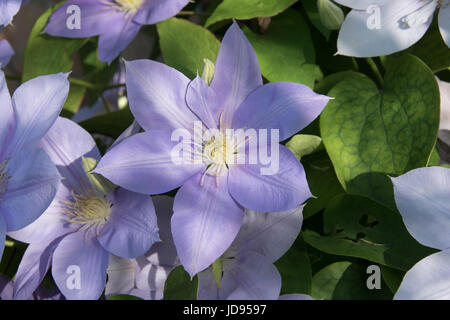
(88, 209)
(125, 5)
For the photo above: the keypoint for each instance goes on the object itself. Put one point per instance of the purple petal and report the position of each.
(205, 222)
(6, 288)
(131, 229)
(51, 224)
(37, 104)
(356, 39)
(237, 72)
(429, 279)
(118, 36)
(421, 196)
(6, 52)
(250, 277)
(80, 255)
(97, 17)
(444, 23)
(143, 164)
(8, 9)
(202, 100)
(32, 268)
(286, 106)
(31, 188)
(270, 234)
(157, 96)
(155, 11)
(284, 190)
(66, 152)
(6, 112)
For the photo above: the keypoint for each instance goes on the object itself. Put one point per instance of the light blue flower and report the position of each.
(8, 9)
(422, 197)
(28, 178)
(381, 27)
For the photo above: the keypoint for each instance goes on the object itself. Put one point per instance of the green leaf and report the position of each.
(392, 277)
(248, 9)
(286, 52)
(310, 7)
(369, 133)
(435, 158)
(322, 182)
(184, 45)
(295, 269)
(304, 144)
(358, 227)
(179, 286)
(111, 124)
(330, 81)
(45, 54)
(346, 280)
(124, 297)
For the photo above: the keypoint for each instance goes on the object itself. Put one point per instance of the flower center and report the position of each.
(220, 150)
(127, 5)
(88, 209)
(4, 178)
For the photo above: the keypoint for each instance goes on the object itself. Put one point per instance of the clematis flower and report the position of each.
(6, 52)
(28, 178)
(246, 271)
(8, 9)
(83, 225)
(208, 209)
(381, 27)
(146, 275)
(116, 22)
(422, 198)
(41, 293)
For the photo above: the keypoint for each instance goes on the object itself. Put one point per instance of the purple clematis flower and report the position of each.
(381, 27)
(82, 226)
(209, 207)
(145, 276)
(6, 52)
(116, 22)
(41, 293)
(8, 9)
(247, 266)
(422, 198)
(28, 178)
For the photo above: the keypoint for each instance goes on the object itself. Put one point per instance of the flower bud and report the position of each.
(330, 14)
(209, 68)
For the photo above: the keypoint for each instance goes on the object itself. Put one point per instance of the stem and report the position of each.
(90, 85)
(376, 71)
(193, 13)
(12, 77)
